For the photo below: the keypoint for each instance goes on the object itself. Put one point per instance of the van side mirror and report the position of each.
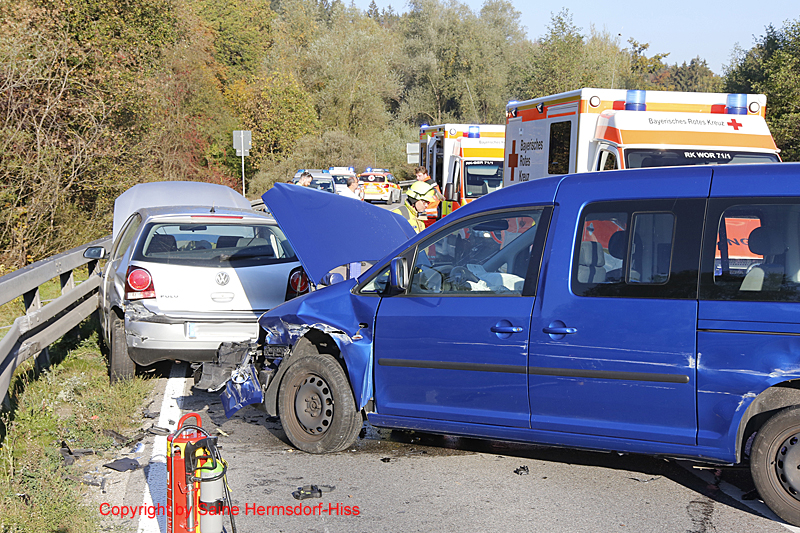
(449, 192)
(332, 277)
(95, 252)
(398, 273)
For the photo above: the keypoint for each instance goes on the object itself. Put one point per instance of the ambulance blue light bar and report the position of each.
(635, 101)
(474, 132)
(736, 104)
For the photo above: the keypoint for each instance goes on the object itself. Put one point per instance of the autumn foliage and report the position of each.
(97, 95)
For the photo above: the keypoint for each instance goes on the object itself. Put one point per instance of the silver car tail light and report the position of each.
(298, 283)
(139, 284)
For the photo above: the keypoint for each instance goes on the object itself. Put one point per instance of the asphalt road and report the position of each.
(392, 481)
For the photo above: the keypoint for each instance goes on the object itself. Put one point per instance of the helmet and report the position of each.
(421, 191)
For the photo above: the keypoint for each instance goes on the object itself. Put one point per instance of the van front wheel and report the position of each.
(775, 464)
(316, 406)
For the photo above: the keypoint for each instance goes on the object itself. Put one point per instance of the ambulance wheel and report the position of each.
(775, 464)
(120, 365)
(316, 405)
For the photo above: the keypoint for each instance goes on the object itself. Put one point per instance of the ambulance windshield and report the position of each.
(482, 177)
(642, 158)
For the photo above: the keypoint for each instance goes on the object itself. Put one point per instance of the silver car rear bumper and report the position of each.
(159, 338)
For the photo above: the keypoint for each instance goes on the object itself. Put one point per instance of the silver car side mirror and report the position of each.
(95, 252)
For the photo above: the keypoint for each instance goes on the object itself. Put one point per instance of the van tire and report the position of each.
(775, 464)
(316, 406)
(120, 366)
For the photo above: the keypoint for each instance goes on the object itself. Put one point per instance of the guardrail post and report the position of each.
(33, 302)
(92, 266)
(67, 281)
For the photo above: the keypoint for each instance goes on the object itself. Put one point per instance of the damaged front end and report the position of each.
(332, 320)
(243, 369)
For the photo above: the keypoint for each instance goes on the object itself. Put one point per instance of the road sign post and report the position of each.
(242, 143)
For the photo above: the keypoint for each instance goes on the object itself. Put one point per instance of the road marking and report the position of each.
(155, 491)
(735, 493)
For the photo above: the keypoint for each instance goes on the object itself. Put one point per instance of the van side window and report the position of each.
(651, 251)
(754, 251)
(482, 256)
(560, 136)
(639, 249)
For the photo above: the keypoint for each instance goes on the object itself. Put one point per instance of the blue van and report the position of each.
(652, 311)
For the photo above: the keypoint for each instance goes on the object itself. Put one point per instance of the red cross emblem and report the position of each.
(513, 159)
(735, 124)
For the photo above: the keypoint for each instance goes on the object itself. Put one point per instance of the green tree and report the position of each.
(277, 110)
(772, 67)
(565, 59)
(351, 71)
(645, 72)
(72, 106)
(694, 77)
(242, 31)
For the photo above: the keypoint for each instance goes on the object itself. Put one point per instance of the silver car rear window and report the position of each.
(214, 245)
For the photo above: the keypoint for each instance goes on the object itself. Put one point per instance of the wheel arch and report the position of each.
(768, 403)
(313, 342)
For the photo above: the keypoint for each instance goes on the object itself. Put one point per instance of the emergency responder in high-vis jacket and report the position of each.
(418, 197)
(433, 207)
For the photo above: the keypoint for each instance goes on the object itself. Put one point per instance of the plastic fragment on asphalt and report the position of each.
(123, 465)
(522, 470)
(311, 491)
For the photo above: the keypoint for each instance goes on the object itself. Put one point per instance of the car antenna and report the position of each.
(212, 209)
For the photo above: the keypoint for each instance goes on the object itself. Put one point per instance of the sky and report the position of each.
(684, 28)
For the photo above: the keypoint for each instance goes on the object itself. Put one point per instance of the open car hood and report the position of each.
(327, 230)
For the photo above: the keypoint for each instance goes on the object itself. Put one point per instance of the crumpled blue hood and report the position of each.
(327, 230)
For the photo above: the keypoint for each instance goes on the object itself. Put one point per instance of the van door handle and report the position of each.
(506, 329)
(503, 329)
(558, 330)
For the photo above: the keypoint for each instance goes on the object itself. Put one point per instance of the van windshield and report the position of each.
(643, 158)
(483, 177)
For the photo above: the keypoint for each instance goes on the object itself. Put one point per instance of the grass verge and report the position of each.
(70, 401)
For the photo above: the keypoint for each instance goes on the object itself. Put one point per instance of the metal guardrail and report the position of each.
(42, 325)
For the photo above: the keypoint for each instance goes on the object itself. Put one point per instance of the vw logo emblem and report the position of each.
(222, 278)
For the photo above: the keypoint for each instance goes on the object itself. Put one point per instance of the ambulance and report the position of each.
(465, 160)
(605, 129)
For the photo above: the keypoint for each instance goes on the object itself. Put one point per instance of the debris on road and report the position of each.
(522, 470)
(123, 465)
(70, 455)
(311, 491)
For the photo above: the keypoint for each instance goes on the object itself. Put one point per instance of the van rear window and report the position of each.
(756, 251)
(214, 245)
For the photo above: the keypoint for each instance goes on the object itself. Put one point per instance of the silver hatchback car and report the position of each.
(181, 280)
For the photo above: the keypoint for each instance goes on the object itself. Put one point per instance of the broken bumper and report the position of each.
(151, 338)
